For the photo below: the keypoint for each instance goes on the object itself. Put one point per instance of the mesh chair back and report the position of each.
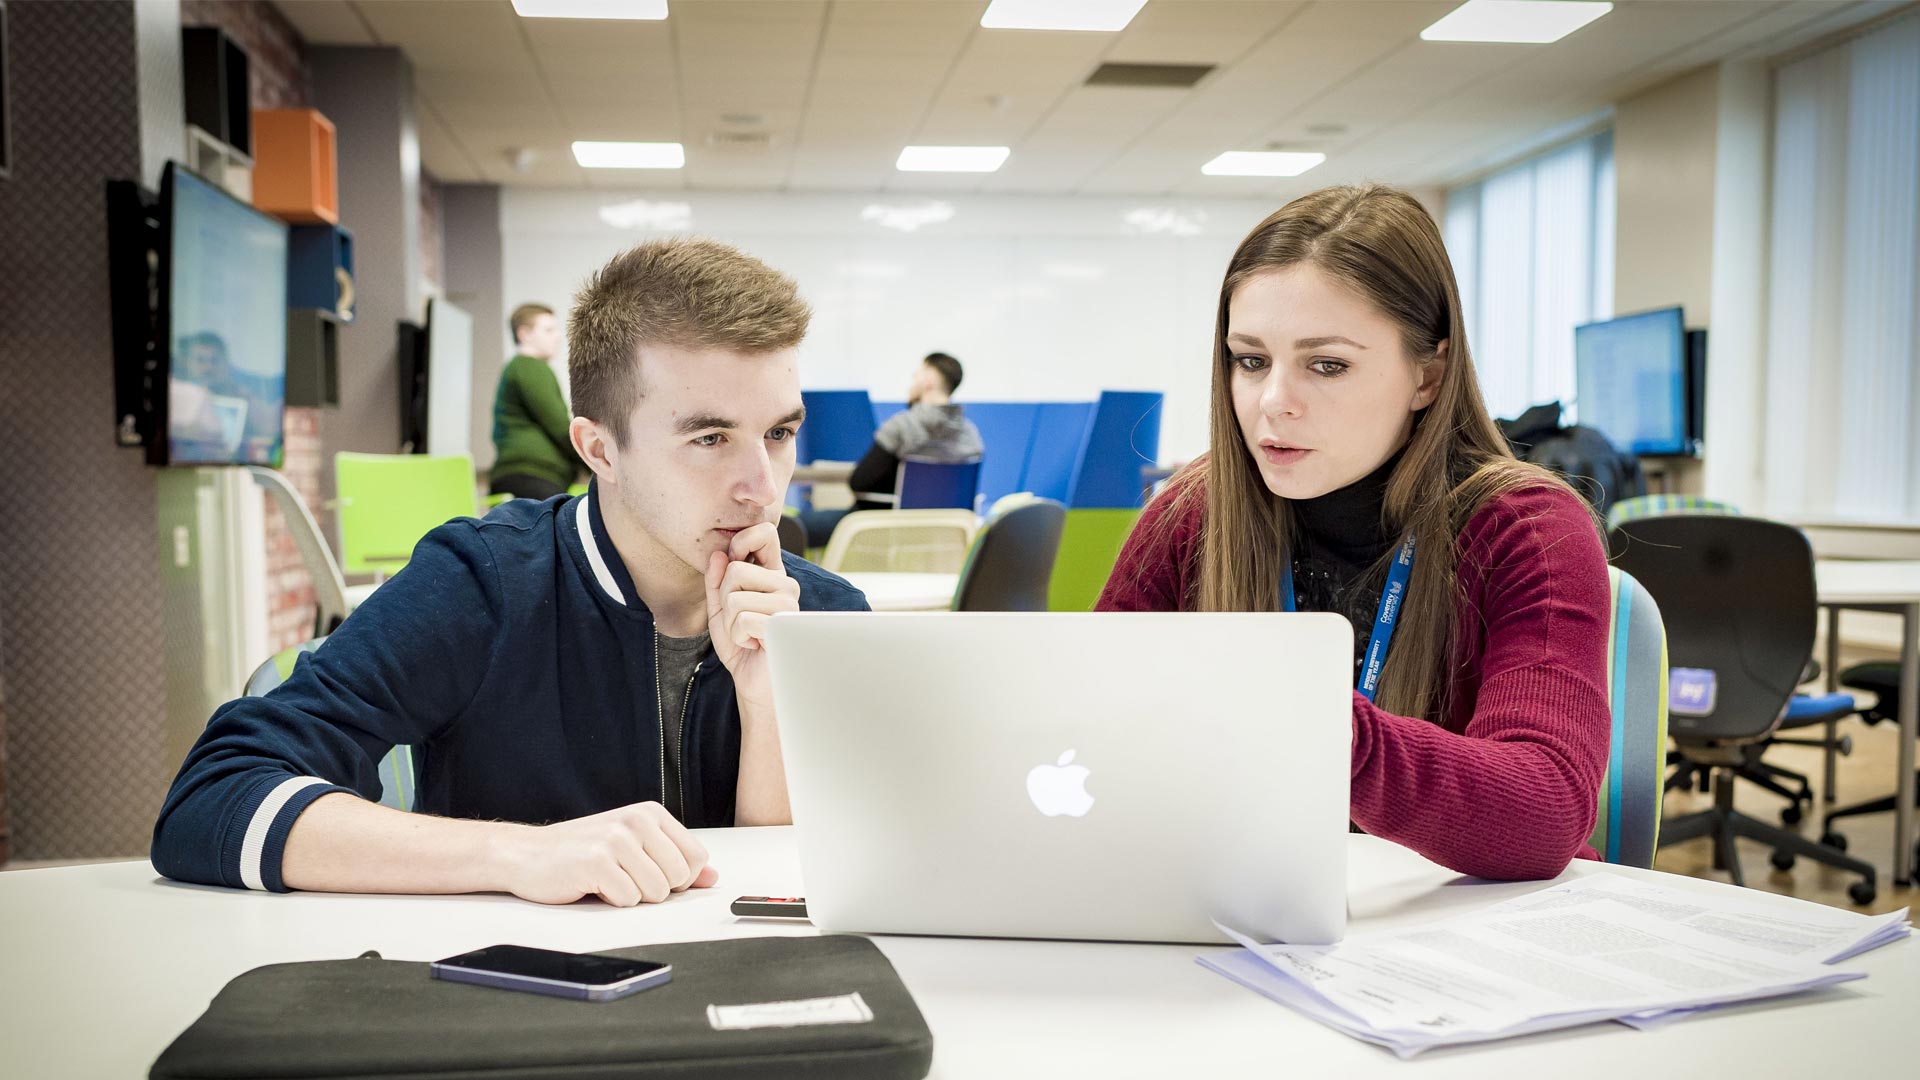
(1627, 827)
(1737, 597)
(1012, 560)
(398, 780)
(329, 585)
(901, 541)
(1645, 506)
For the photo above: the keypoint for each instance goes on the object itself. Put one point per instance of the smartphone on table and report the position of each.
(583, 976)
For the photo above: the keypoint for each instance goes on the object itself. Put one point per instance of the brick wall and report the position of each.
(278, 78)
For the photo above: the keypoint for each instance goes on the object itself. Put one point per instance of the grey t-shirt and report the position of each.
(679, 659)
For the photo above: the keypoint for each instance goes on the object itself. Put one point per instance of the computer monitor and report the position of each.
(224, 291)
(1631, 381)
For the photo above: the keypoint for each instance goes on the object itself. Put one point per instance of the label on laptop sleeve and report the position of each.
(846, 1009)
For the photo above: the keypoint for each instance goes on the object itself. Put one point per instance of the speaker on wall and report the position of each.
(214, 74)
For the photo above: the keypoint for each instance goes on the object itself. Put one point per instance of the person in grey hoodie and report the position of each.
(932, 427)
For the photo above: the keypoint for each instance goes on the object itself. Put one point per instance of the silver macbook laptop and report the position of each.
(1123, 777)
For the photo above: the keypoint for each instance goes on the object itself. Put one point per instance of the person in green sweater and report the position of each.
(533, 456)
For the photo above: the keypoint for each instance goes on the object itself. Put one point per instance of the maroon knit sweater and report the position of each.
(1506, 785)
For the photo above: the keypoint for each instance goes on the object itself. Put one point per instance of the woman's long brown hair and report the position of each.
(1384, 245)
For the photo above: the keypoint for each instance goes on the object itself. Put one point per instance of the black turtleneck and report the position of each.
(1342, 537)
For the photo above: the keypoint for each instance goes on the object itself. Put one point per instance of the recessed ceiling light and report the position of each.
(951, 158)
(629, 155)
(1261, 163)
(591, 9)
(1522, 22)
(1060, 14)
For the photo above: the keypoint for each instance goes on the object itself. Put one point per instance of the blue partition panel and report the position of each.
(885, 410)
(1123, 436)
(839, 426)
(1059, 430)
(1006, 429)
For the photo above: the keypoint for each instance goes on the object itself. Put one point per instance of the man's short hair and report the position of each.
(523, 317)
(948, 367)
(684, 291)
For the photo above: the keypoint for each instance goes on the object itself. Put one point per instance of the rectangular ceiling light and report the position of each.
(629, 155)
(1522, 22)
(1106, 15)
(951, 158)
(1261, 163)
(591, 9)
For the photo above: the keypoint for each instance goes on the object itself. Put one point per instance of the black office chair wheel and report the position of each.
(1861, 892)
(1834, 840)
(1782, 861)
(1791, 815)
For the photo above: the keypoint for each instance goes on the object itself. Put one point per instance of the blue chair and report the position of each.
(1627, 828)
(399, 781)
(937, 485)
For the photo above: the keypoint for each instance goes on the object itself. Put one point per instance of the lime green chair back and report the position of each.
(1627, 827)
(397, 776)
(1645, 506)
(389, 501)
(1089, 546)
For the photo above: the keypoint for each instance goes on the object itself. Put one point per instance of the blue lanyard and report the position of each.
(1391, 599)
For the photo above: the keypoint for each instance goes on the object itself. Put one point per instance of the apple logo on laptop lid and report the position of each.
(1060, 788)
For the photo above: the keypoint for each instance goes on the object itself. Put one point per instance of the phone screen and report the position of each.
(554, 966)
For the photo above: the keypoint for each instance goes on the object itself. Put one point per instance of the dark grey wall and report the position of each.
(368, 94)
(470, 222)
(81, 660)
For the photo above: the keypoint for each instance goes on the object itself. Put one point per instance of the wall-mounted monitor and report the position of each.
(1631, 379)
(200, 323)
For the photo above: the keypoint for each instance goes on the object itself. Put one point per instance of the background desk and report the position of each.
(906, 592)
(101, 966)
(1892, 587)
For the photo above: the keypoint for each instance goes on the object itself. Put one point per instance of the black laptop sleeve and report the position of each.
(383, 1018)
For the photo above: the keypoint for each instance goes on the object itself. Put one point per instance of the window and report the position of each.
(1843, 337)
(1532, 247)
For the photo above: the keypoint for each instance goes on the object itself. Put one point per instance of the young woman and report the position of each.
(1352, 458)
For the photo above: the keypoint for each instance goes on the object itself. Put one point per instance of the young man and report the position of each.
(534, 456)
(932, 427)
(585, 679)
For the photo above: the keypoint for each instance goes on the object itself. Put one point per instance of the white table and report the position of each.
(101, 966)
(1892, 587)
(906, 592)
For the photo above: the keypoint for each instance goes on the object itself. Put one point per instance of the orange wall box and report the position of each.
(295, 177)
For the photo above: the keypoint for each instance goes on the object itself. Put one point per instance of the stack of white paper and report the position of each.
(1778, 924)
(1600, 948)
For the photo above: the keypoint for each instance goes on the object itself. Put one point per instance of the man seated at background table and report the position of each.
(584, 680)
(931, 427)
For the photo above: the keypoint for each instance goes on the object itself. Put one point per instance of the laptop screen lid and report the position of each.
(1102, 776)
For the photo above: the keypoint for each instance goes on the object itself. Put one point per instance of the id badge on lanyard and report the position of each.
(1392, 598)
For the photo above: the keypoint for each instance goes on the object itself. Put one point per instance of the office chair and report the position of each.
(389, 502)
(901, 541)
(1882, 679)
(793, 535)
(1626, 830)
(924, 484)
(1012, 558)
(1738, 600)
(333, 598)
(399, 780)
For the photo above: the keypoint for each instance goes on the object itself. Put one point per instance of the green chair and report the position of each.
(1645, 506)
(1089, 546)
(1627, 828)
(398, 786)
(389, 501)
